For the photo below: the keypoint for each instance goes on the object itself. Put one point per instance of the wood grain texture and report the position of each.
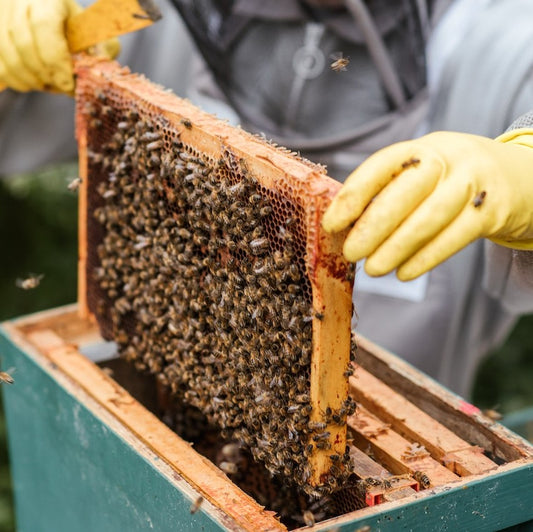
(105, 19)
(410, 421)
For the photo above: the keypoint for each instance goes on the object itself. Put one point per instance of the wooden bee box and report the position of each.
(87, 455)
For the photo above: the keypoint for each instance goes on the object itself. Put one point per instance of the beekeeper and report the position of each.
(339, 81)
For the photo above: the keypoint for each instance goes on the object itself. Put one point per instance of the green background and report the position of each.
(38, 234)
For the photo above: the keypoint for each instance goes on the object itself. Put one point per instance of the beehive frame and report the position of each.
(327, 271)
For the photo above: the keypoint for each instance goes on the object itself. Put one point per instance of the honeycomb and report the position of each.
(203, 258)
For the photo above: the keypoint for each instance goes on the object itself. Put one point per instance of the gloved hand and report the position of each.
(416, 203)
(34, 53)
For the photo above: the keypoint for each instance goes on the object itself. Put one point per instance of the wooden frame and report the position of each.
(273, 167)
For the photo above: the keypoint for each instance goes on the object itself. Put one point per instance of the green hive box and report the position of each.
(87, 456)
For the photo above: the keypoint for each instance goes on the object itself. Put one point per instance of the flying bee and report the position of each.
(195, 506)
(492, 414)
(6, 378)
(340, 62)
(32, 281)
(74, 184)
(309, 518)
(228, 467)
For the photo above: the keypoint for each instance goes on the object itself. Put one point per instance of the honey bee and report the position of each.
(340, 62)
(308, 518)
(422, 479)
(479, 199)
(229, 468)
(187, 123)
(150, 136)
(74, 184)
(195, 506)
(492, 414)
(6, 378)
(316, 425)
(154, 145)
(323, 445)
(30, 282)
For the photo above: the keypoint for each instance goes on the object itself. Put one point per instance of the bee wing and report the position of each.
(335, 56)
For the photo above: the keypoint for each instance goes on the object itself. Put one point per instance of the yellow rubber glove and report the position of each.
(416, 203)
(34, 53)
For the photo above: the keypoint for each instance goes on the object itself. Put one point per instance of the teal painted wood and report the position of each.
(73, 473)
(493, 503)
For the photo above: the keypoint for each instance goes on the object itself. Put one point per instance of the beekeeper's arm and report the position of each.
(414, 204)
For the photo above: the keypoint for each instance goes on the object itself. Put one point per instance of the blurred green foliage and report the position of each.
(505, 378)
(38, 234)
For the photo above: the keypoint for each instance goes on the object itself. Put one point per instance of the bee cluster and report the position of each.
(198, 272)
(236, 461)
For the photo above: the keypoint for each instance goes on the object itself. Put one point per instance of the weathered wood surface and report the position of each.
(393, 451)
(413, 423)
(458, 415)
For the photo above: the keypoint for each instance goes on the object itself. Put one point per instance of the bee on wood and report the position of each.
(321, 436)
(339, 62)
(323, 445)
(316, 425)
(30, 282)
(74, 184)
(422, 479)
(195, 506)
